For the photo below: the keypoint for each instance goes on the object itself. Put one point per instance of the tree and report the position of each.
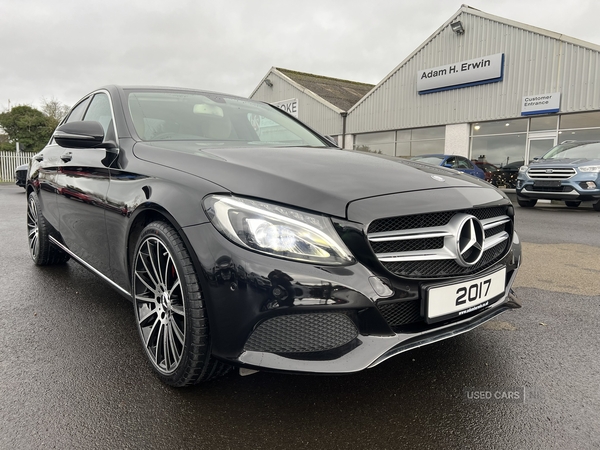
(28, 126)
(54, 109)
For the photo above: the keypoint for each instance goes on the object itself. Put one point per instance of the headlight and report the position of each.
(594, 169)
(523, 169)
(277, 231)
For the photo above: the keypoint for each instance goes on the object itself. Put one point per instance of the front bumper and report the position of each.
(572, 189)
(21, 179)
(244, 290)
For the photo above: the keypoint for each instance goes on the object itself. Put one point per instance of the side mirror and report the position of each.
(535, 158)
(82, 135)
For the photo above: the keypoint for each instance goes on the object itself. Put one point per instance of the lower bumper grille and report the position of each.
(549, 188)
(401, 313)
(302, 333)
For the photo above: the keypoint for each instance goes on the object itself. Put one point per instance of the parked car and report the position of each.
(488, 169)
(244, 238)
(451, 161)
(21, 175)
(569, 172)
(506, 175)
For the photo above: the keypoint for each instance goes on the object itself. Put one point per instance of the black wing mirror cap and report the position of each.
(89, 134)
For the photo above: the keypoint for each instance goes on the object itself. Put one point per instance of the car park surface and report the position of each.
(73, 377)
(244, 240)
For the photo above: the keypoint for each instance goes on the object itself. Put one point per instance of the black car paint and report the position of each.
(124, 188)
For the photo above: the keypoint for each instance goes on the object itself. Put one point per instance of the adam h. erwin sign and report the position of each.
(488, 69)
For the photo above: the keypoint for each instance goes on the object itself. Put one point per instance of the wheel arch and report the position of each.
(147, 214)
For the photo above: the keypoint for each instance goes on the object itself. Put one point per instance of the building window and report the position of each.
(499, 150)
(499, 127)
(501, 142)
(543, 123)
(380, 143)
(403, 143)
(580, 127)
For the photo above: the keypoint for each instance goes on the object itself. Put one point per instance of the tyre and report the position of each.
(41, 249)
(169, 309)
(572, 204)
(525, 203)
(596, 206)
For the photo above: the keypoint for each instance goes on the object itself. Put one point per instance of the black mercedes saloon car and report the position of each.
(245, 239)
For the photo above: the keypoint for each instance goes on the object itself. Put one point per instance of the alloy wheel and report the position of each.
(159, 305)
(33, 232)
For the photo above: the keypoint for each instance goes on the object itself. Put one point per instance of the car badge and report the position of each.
(549, 170)
(438, 178)
(469, 241)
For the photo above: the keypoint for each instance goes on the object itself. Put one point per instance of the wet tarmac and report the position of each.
(73, 375)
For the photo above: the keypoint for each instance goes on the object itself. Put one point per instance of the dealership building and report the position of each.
(480, 86)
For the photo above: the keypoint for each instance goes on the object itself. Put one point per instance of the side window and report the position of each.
(451, 162)
(100, 111)
(464, 163)
(78, 111)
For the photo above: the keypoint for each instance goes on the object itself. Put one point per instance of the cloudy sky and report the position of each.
(63, 49)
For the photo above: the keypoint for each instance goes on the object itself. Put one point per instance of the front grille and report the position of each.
(561, 173)
(425, 245)
(302, 333)
(401, 313)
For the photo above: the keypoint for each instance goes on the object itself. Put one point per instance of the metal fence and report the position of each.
(9, 161)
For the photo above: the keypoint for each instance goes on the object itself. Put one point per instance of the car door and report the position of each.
(83, 183)
(45, 170)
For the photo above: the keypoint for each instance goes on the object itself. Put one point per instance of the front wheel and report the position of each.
(596, 206)
(572, 204)
(169, 309)
(524, 203)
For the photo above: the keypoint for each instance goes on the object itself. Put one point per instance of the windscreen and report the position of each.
(574, 150)
(213, 119)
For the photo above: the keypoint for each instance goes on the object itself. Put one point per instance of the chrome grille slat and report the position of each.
(414, 233)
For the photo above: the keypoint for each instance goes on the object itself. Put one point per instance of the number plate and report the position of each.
(546, 183)
(445, 302)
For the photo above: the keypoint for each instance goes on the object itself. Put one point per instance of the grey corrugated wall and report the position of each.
(534, 64)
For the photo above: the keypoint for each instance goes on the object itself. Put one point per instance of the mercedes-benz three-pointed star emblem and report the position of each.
(469, 241)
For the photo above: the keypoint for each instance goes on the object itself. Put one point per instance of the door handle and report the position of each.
(66, 156)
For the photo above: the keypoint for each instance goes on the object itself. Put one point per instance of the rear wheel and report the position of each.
(169, 309)
(41, 249)
(526, 203)
(572, 204)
